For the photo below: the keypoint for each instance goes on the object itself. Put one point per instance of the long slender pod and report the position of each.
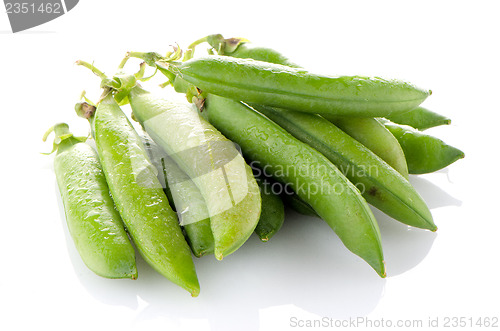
(380, 184)
(224, 179)
(139, 196)
(272, 214)
(366, 130)
(297, 89)
(311, 175)
(156, 155)
(424, 153)
(299, 205)
(93, 222)
(376, 137)
(240, 48)
(187, 199)
(420, 118)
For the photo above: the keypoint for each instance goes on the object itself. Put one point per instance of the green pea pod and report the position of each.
(186, 198)
(297, 89)
(156, 155)
(313, 177)
(93, 222)
(240, 48)
(379, 183)
(272, 214)
(191, 209)
(139, 197)
(368, 131)
(299, 205)
(424, 153)
(420, 118)
(224, 179)
(376, 137)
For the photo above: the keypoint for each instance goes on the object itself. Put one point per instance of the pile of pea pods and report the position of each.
(198, 178)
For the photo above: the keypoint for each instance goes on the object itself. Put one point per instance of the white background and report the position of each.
(304, 272)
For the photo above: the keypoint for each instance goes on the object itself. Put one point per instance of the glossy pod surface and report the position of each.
(366, 130)
(379, 183)
(376, 137)
(183, 194)
(93, 222)
(250, 51)
(299, 205)
(424, 153)
(272, 214)
(420, 118)
(315, 179)
(191, 208)
(296, 89)
(139, 197)
(224, 179)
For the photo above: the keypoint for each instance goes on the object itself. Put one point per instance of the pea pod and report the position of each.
(370, 251)
(288, 197)
(139, 197)
(224, 179)
(241, 48)
(420, 118)
(299, 205)
(368, 131)
(296, 89)
(192, 208)
(313, 177)
(156, 154)
(376, 137)
(186, 198)
(379, 183)
(272, 214)
(424, 153)
(93, 222)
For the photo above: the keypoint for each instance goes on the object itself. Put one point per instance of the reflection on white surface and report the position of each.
(303, 271)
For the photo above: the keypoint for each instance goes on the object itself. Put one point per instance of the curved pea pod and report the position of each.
(368, 131)
(139, 197)
(424, 153)
(272, 214)
(237, 47)
(297, 89)
(187, 199)
(156, 155)
(191, 208)
(379, 183)
(376, 137)
(93, 222)
(299, 205)
(420, 118)
(213, 163)
(313, 177)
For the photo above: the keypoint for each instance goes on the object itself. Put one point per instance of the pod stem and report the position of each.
(159, 62)
(120, 84)
(63, 138)
(217, 43)
(189, 54)
(96, 71)
(149, 57)
(124, 61)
